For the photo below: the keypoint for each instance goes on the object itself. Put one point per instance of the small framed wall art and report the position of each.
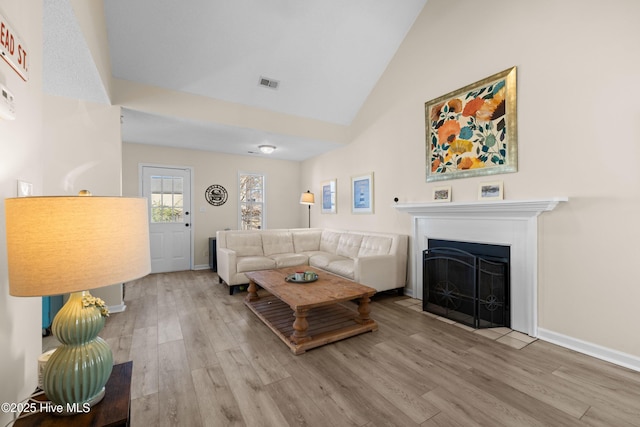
(329, 197)
(490, 191)
(441, 194)
(362, 194)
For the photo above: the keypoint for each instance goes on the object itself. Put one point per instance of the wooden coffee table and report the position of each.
(320, 318)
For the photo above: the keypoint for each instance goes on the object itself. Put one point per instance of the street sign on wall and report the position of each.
(13, 50)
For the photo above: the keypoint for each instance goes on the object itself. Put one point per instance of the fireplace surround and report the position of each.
(512, 223)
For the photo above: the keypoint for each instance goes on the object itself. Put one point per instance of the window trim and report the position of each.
(264, 198)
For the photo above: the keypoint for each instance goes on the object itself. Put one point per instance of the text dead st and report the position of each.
(12, 49)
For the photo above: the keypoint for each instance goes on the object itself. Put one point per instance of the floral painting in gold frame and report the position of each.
(473, 131)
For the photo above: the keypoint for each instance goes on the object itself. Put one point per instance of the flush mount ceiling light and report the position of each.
(267, 149)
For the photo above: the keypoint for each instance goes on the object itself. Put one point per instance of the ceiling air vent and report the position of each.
(270, 83)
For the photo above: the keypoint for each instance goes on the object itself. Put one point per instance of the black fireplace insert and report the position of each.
(467, 282)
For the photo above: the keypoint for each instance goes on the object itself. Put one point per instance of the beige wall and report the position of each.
(82, 147)
(282, 188)
(577, 115)
(21, 157)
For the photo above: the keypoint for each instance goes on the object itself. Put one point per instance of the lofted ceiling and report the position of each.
(326, 56)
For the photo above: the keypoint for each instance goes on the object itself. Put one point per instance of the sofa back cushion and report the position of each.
(245, 244)
(306, 240)
(349, 245)
(375, 245)
(277, 242)
(329, 241)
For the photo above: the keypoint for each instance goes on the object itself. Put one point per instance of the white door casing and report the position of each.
(168, 192)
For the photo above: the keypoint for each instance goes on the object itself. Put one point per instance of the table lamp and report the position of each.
(308, 198)
(70, 244)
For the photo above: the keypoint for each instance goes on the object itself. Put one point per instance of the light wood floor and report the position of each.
(201, 358)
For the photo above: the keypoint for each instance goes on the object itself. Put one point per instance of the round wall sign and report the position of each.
(216, 195)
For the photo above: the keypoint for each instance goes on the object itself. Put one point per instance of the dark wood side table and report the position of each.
(114, 410)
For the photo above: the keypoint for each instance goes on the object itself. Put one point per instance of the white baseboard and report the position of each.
(117, 308)
(595, 350)
(201, 267)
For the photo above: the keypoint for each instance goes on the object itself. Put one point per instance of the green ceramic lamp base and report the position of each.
(77, 371)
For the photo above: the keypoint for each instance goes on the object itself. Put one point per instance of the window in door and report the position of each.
(251, 200)
(167, 199)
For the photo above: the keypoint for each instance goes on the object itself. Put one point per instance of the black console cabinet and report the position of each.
(213, 260)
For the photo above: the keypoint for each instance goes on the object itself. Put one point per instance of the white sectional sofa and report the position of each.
(374, 259)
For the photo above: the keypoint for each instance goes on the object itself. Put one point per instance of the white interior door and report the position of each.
(168, 191)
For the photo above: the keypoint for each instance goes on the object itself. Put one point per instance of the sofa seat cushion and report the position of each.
(323, 259)
(344, 268)
(289, 260)
(310, 254)
(252, 263)
(277, 242)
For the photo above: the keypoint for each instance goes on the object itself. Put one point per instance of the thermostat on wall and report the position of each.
(7, 106)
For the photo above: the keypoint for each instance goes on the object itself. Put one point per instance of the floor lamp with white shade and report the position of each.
(307, 198)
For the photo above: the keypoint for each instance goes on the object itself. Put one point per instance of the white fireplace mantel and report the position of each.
(497, 208)
(512, 223)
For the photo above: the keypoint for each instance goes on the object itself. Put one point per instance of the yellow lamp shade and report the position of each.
(307, 198)
(57, 245)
